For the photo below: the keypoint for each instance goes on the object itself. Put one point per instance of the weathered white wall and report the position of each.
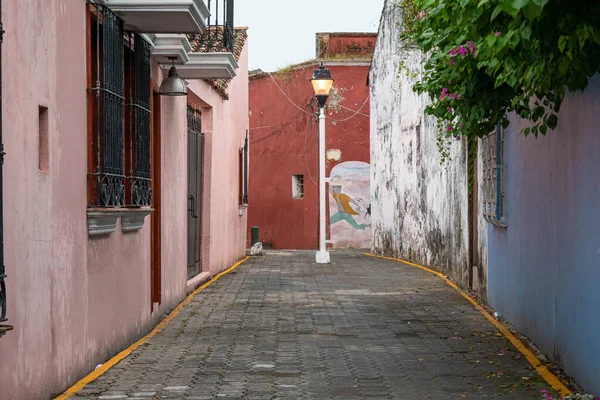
(420, 208)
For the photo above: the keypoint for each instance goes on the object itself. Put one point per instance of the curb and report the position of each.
(540, 368)
(120, 356)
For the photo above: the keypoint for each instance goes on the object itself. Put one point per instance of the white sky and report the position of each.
(282, 32)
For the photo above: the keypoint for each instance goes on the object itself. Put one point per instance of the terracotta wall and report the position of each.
(75, 301)
(284, 142)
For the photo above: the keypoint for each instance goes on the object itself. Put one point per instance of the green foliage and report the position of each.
(487, 58)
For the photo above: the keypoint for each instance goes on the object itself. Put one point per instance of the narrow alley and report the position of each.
(281, 326)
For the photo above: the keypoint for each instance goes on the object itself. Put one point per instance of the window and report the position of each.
(298, 186)
(493, 178)
(44, 156)
(118, 113)
(244, 172)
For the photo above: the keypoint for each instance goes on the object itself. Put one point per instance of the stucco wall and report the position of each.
(284, 142)
(224, 123)
(75, 301)
(544, 267)
(420, 208)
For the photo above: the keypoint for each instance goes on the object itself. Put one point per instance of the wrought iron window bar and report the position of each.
(219, 36)
(111, 187)
(139, 134)
(493, 177)
(245, 171)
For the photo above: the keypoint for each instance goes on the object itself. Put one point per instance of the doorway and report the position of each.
(156, 218)
(195, 149)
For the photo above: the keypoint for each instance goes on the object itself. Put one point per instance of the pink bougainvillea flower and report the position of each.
(452, 62)
(497, 34)
(449, 109)
(452, 96)
(458, 137)
(450, 128)
(472, 47)
(459, 96)
(452, 52)
(462, 51)
(444, 93)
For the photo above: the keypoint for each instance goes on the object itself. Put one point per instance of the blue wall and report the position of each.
(544, 268)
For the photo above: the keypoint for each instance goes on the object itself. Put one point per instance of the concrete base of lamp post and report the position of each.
(323, 257)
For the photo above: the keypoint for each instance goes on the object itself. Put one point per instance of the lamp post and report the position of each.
(322, 83)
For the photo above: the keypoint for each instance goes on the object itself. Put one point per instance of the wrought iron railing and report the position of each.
(108, 175)
(140, 177)
(3, 328)
(219, 37)
(245, 172)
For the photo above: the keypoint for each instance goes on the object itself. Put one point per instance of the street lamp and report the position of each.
(173, 85)
(322, 83)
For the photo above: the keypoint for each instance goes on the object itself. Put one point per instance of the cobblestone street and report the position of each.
(284, 327)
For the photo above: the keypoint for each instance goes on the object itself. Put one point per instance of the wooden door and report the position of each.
(156, 261)
(195, 191)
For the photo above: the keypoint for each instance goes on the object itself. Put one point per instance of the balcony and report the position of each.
(211, 54)
(161, 16)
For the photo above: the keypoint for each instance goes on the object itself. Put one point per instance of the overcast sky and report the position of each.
(282, 32)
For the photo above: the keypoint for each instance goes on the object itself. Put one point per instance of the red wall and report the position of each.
(284, 142)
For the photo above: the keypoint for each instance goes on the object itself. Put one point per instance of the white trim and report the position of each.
(196, 10)
(207, 66)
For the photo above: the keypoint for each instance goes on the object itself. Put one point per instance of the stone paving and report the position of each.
(361, 328)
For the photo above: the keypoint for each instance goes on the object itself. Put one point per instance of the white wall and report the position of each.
(420, 208)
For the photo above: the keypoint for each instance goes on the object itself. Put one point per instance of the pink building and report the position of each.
(117, 201)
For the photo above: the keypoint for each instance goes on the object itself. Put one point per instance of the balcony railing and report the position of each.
(219, 37)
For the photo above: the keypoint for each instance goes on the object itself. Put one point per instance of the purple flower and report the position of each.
(462, 51)
(450, 128)
(458, 137)
(444, 93)
(449, 109)
(452, 62)
(452, 52)
(497, 34)
(459, 96)
(452, 96)
(472, 47)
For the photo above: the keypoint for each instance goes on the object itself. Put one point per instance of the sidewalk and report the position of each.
(360, 328)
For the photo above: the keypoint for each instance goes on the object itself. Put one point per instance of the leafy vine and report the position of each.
(487, 58)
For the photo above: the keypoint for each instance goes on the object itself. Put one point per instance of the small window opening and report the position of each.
(298, 186)
(44, 156)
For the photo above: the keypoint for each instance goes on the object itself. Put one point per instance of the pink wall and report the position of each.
(224, 124)
(75, 301)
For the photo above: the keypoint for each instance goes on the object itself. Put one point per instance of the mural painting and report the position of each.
(349, 205)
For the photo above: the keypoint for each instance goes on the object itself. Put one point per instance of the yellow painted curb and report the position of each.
(110, 363)
(541, 369)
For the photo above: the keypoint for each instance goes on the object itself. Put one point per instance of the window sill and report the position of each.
(103, 221)
(242, 209)
(133, 219)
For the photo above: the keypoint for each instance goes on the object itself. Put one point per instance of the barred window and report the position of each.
(118, 113)
(244, 172)
(493, 177)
